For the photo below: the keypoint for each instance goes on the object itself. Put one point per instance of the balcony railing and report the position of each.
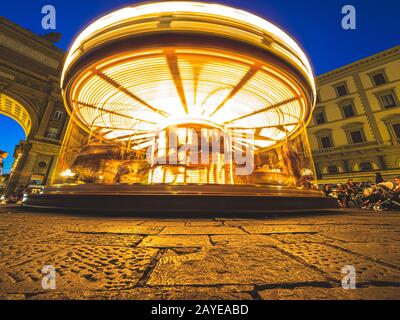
(392, 142)
(347, 147)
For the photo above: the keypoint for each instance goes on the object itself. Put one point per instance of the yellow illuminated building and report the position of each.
(355, 130)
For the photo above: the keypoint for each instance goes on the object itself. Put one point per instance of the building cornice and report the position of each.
(32, 36)
(334, 74)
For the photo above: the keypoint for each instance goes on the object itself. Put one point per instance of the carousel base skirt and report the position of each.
(178, 199)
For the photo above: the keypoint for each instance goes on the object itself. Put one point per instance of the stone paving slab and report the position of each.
(81, 268)
(125, 229)
(244, 240)
(164, 223)
(314, 293)
(268, 229)
(203, 223)
(22, 233)
(365, 236)
(230, 265)
(146, 293)
(95, 239)
(103, 226)
(16, 253)
(376, 251)
(332, 260)
(167, 241)
(202, 230)
(243, 222)
(301, 238)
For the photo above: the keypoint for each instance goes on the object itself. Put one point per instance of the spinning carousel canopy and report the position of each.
(143, 68)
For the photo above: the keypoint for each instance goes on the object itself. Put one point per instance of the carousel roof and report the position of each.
(143, 68)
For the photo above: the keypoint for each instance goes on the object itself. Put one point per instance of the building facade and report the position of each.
(29, 93)
(355, 130)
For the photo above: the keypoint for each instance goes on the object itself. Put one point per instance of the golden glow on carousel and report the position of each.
(191, 71)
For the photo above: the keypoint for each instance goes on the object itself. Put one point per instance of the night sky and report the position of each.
(316, 24)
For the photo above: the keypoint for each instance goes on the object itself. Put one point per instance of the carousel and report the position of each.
(185, 107)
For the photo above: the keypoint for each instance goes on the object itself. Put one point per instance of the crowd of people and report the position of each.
(377, 195)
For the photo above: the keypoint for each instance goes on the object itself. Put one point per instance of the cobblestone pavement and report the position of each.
(280, 257)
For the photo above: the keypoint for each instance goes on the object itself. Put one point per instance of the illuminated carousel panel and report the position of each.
(224, 90)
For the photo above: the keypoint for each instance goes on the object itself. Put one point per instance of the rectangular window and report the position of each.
(320, 117)
(379, 79)
(388, 100)
(357, 136)
(396, 129)
(326, 142)
(52, 133)
(348, 111)
(341, 90)
(58, 115)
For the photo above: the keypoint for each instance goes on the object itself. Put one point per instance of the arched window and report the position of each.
(320, 115)
(332, 169)
(366, 166)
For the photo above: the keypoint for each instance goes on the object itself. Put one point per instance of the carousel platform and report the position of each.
(180, 199)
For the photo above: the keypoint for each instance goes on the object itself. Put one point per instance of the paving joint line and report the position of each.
(385, 264)
(149, 270)
(326, 275)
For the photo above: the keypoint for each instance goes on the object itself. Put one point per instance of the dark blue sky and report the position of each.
(316, 24)
(10, 134)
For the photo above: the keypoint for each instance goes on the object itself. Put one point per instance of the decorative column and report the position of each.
(45, 118)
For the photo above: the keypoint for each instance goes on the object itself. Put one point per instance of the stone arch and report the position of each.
(21, 110)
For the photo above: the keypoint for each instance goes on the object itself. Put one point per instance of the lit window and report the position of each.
(52, 133)
(379, 79)
(326, 142)
(357, 136)
(58, 115)
(341, 90)
(320, 117)
(388, 100)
